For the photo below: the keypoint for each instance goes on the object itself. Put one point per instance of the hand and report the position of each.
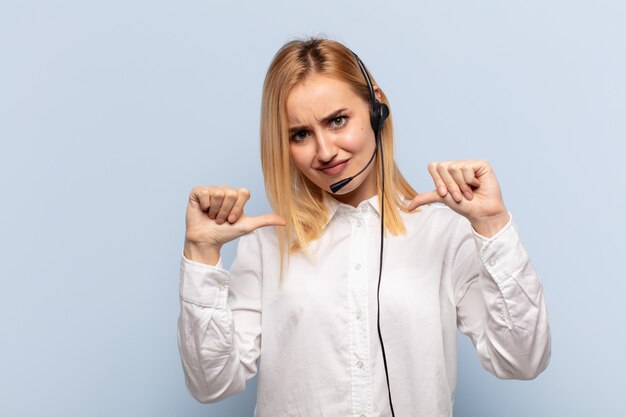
(471, 189)
(215, 216)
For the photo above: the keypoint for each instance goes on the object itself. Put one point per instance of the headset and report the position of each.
(379, 113)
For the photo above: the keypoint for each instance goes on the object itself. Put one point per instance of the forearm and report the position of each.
(207, 342)
(503, 309)
(489, 227)
(515, 340)
(202, 253)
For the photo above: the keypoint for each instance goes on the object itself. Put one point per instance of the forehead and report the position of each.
(317, 96)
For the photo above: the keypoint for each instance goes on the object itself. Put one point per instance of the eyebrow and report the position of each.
(325, 120)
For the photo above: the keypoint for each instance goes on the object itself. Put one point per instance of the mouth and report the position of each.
(335, 168)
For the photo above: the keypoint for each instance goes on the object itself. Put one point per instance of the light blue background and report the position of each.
(111, 111)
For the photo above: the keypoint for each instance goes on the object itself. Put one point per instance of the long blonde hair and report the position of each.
(289, 192)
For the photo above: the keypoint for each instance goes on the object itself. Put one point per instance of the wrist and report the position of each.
(202, 253)
(490, 226)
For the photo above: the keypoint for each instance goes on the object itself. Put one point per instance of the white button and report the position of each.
(359, 223)
(492, 261)
(359, 364)
(221, 287)
(358, 314)
(357, 266)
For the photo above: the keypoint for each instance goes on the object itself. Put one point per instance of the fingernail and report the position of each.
(442, 190)
(468, 195)
(457, 196)
(231, 219)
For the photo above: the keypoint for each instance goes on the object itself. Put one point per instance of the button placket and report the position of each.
(359, 328)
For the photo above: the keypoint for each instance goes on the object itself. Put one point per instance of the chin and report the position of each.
(360, 188)
(353, 186)
(347, 189)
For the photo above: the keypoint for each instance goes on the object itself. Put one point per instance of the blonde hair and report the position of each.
(289, 192)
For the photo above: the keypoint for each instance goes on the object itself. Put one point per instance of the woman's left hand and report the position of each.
(471, 189)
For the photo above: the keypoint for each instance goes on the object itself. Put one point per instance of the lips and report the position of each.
(335, 168)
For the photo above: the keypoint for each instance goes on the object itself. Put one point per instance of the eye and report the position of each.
(299, 136)
(339, 121)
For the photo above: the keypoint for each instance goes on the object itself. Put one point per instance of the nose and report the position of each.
(326, 147)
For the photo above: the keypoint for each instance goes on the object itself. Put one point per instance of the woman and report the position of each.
(302, 291)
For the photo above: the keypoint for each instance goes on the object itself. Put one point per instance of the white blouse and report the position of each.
(316, 331)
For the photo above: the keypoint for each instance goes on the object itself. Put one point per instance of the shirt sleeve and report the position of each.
(219, 327)
(499, 301)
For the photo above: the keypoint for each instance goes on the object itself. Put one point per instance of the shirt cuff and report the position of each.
(203, 284)
(503, 254)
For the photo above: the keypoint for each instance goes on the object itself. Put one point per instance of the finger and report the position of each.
(250, 224)
(425, 198)
(456, 171)
(451, 185)
(200, 197)
(230, 197)
(237, 210)
(470, 176)
(217, 197)
(439, 184)
(481, 167)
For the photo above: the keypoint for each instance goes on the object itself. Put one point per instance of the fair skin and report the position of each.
(331, 138)
(214, 217)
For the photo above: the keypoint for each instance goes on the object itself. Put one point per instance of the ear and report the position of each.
(377, 93)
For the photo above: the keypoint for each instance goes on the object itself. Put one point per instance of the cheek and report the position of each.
(358, 139)
(301, 156)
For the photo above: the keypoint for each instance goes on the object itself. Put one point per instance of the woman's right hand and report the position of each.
(215, 216)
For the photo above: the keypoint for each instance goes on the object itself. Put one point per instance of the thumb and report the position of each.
(252, 223)
(425, 198)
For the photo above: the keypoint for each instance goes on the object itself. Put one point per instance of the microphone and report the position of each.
(340, 184)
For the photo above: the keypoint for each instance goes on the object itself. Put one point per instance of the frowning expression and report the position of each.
(331, 136)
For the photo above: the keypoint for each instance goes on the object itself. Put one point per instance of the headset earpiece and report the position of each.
(380, 112)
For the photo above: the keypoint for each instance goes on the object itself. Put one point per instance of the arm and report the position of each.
(219, 328)
(499, 301)
(496, 291)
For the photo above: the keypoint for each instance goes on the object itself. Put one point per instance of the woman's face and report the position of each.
(331, 137)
